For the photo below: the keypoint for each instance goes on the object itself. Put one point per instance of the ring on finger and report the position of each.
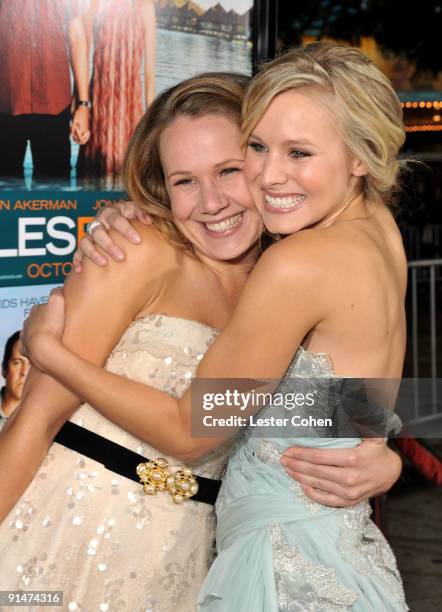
(91, 226)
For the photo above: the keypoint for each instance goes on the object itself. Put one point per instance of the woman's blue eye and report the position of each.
(298, 154)
(228, 171)
(183, 182)
(256, 146)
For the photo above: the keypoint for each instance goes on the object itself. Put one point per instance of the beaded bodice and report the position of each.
(162, 352)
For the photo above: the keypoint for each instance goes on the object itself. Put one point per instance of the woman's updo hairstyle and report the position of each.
(359, 95)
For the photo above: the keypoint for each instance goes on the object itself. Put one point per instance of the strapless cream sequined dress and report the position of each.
(96, 536)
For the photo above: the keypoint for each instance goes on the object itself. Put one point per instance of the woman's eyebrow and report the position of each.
(298, 141)
(178, 172)
(234, 160)
(291, 141)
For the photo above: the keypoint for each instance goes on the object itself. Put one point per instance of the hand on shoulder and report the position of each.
(153, 253)
(110, 298)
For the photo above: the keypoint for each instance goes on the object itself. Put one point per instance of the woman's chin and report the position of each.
(283, 228)
(229, 254)
(226, 248)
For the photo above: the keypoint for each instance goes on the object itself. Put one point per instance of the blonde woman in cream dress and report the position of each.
(78, 527)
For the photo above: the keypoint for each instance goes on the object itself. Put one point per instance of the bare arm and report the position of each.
(92, 329)
(257, 343)
(27, 435)
(150, 37)
(335, 477)
(79, 59)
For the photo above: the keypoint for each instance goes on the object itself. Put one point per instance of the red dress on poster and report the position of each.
(123, 35)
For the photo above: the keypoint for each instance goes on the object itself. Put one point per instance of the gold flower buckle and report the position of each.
(156, 475)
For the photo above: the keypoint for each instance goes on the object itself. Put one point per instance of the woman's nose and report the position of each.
(273, 172)
(212, 200)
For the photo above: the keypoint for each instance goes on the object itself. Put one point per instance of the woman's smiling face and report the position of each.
(298, 168)
(203, 163)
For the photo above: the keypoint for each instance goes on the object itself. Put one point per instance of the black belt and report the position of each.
(121, 460)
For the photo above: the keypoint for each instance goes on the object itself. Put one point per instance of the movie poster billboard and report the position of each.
(77, 76)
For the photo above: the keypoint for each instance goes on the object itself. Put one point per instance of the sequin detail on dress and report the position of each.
(304, 586)
(95, 535)
(364, 546)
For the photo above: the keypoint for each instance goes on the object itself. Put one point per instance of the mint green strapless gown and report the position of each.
(277, 550)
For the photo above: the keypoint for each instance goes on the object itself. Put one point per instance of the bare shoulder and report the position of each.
(371, 246)
(144, 263)
(324, 248)
(299, 255)
(292, 275)
(318, 261)
(360, 257)
(155, 249)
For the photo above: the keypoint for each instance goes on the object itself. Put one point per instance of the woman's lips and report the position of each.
(283, 204)
(225, 227)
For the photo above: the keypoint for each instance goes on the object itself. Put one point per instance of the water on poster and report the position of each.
(204, 52)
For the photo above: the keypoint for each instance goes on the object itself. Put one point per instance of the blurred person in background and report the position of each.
(15, 367)
(39, 42)
(122, 34)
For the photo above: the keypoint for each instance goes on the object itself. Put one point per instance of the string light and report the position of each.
(422, 104)
(423, 128)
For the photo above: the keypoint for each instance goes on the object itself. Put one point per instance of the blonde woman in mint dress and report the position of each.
(326, 301)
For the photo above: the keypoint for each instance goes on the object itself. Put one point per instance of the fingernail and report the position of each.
(284, 461)
(117, 254)
(135, 238)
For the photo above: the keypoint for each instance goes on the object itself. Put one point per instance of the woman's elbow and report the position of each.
(195, 449)
(187, 452)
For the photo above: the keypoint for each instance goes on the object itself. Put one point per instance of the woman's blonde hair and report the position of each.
(219, 93)
(368, 110)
